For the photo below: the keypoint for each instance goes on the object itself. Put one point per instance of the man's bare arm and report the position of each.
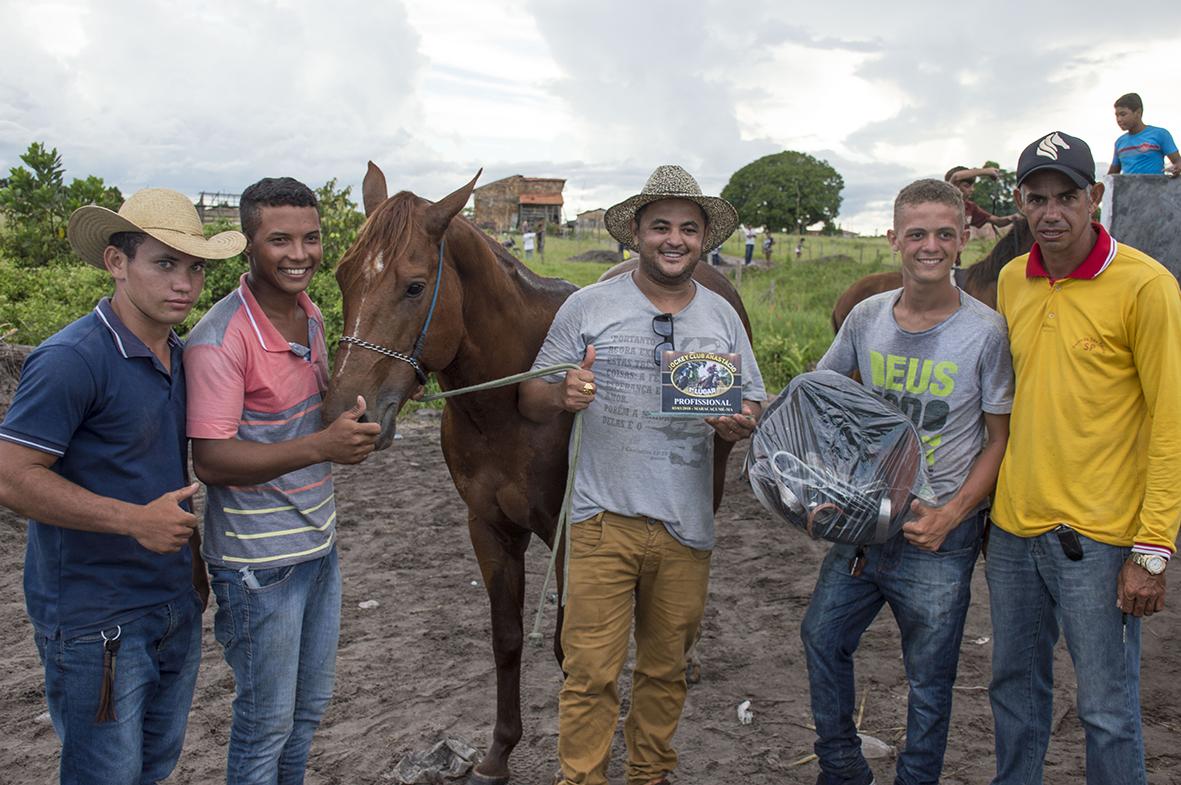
(241, 462)
(30, 487)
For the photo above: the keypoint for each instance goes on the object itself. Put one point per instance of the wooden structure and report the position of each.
(518, 201)
(217, 207)
(590, 221)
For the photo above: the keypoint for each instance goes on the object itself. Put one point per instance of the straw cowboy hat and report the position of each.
(673, 182)
(161, 213)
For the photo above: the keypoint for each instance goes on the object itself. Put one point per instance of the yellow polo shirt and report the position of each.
(1095, 435)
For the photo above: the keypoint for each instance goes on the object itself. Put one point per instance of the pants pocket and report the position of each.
(586, 536)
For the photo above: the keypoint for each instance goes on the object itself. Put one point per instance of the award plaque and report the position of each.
(700, 384)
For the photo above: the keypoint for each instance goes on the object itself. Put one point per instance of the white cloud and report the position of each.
(212, 97)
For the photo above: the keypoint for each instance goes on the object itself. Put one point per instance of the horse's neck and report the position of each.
(505, 314)
(988, 269)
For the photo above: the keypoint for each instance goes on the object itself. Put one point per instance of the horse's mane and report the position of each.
(1014, 243)
(387, 228)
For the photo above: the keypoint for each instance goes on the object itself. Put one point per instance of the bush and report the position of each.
(36, 205)
(37, 302)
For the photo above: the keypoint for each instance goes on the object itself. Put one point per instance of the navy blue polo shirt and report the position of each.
(97, 398)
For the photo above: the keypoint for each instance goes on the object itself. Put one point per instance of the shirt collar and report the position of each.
(127, 342)
(267, 334)
(1097, 260)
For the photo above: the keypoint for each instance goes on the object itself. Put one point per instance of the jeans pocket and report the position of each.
(224, 628)
(965, 537)
(89, 639)
(269, 578)
(586, 536)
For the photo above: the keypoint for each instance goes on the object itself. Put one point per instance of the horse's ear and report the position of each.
(439, 214)
(373, 189)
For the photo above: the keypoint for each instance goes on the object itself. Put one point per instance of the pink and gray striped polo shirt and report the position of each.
(246, 381)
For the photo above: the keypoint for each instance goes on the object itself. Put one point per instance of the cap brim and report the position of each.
(91, 227)
(1075, 176)
(721, 218)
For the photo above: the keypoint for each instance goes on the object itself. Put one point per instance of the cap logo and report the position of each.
(1048, 147)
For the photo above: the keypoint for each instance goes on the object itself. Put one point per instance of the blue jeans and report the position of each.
(1036, 591)
(929, 595)
(280, 641)
(155, 672)
(750, 254)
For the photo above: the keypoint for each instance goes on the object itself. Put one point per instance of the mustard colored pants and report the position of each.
(623, 568)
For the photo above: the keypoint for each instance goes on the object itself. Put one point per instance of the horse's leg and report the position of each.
(559, 576)
(500, 550)
(722, 449)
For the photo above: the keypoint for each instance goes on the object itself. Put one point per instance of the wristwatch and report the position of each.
(1152, 563)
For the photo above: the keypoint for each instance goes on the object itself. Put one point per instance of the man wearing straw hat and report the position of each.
(93, 450)
(642, 502)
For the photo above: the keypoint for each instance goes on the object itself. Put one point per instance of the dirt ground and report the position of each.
(418, 668)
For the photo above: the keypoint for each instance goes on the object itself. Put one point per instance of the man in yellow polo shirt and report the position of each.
(1087, 503)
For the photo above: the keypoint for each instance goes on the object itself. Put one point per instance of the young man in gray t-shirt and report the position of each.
(942, 357)
(643, 492)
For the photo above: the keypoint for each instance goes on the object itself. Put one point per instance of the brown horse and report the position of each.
(979, 280)
(491, 316)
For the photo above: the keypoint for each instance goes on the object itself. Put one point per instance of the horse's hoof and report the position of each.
(476, 778)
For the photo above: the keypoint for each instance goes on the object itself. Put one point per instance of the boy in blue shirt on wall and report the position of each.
(1141, 149)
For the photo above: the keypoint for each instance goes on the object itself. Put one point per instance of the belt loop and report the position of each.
(602, 516)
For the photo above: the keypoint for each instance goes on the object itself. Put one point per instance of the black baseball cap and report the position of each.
(1061, 152)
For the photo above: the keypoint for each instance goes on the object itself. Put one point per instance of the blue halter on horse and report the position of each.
(413, 358)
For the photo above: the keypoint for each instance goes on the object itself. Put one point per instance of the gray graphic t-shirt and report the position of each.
(943, 378)
(634, 462)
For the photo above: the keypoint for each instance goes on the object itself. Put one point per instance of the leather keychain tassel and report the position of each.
(857, 563)
(106, 700)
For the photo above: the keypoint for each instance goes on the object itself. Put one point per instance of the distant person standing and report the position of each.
(529, 242)
(1141, 149)
(799, 247)
(749, 233)
(541, 239)
(768, 244)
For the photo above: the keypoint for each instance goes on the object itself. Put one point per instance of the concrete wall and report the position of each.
(1144, 211)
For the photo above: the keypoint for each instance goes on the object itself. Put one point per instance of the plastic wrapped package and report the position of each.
(836, 461)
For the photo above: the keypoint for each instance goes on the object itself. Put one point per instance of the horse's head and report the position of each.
(391, 279)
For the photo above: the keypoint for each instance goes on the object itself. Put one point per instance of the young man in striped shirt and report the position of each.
(257, 370)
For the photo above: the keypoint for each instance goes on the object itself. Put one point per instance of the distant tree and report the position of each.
(340, 220)
(787, 189)
(36, 205)
(996, 196)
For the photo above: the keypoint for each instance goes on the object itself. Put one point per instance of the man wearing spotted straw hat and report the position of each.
(93, 451)
(644, 531)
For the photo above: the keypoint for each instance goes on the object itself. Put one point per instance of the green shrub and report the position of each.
(37, 302)
(781, 358)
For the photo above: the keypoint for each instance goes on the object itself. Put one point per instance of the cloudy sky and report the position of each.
(211, 95)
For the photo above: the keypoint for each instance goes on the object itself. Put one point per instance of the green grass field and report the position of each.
(789, 303)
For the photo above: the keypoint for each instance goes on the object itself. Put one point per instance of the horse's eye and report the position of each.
(415, 289)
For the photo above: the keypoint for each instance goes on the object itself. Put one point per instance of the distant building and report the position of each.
(217, 207)
(514, 201)
(590, 220)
